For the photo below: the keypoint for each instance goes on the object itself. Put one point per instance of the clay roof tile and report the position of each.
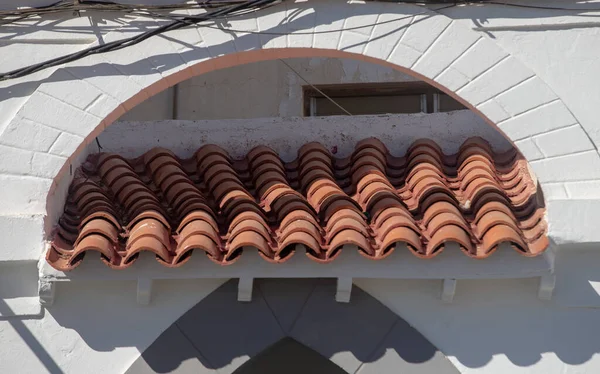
(373, 200)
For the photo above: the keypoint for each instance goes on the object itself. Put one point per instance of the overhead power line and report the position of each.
(316, 88)
(218, 9)
(124, 43)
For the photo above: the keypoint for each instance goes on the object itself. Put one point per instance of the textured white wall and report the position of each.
(397, 131)
(46, 119)
(497, 326)
(258, 90)
(93, 327)
(543, 91)
(494, 326)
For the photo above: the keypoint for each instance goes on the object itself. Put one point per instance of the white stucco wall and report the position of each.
(494, 326)
(397, 131)
(481, 54)
(533, 72)
(257, 90)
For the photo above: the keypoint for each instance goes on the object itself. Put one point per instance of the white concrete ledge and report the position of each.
(451, 264)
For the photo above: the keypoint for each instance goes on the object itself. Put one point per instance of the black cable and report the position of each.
(515, 5)
(123, 43)
(223, 8)
(311, 32)
(86, 5)
(488, 2)
(105, 6)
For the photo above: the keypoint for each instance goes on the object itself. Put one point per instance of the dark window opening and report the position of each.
(376, 98)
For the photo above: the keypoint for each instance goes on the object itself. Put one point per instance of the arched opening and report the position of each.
(487, 110)
(290, 357)
(427, 44)
(59, 186)
(232, 169)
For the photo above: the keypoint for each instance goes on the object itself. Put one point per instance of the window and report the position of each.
(377, 98)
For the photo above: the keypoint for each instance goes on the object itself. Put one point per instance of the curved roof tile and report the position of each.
(372, 199)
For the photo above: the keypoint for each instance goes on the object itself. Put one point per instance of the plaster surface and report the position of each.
(492, 326)
(287, 135)
(336, 331)
(533, 73)
(257, 90)
(48, 119)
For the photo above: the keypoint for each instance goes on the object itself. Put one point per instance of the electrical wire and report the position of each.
(124, 43)
(88, 5)
(76, 7)
(489, 2)
(93, 5)
(316, 88)
(311, 32)
(516, 5)
(239, 8)
(219, 9)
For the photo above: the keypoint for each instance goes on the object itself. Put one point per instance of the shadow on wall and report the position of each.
(521, 331)
(219, 332)
(290, 357)
(302, 20)
(496, 319)
(483, 17)
(29, 338)
(103, 23)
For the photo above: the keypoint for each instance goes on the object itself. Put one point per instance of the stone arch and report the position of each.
(80, 99)
(222, 334)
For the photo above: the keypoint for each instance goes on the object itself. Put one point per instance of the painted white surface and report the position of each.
(532, 72)
(93, 327)
(67, 109)
(402, 264)
(258, 90)
(561, 47)
(496, 327)
(287, 135)
(492, 326)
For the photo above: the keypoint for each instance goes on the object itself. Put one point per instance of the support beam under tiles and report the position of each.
(46, 292)
(344, 290)
(448, 290)
(245, 286)
(546, 288)
(144, 291)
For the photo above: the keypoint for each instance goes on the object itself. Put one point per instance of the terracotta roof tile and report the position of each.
(372, 199)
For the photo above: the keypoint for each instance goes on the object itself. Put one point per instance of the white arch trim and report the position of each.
(70, 108)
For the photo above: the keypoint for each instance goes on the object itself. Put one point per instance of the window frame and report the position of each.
(429, 94)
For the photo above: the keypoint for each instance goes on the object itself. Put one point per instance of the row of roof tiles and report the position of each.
(372, 199)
